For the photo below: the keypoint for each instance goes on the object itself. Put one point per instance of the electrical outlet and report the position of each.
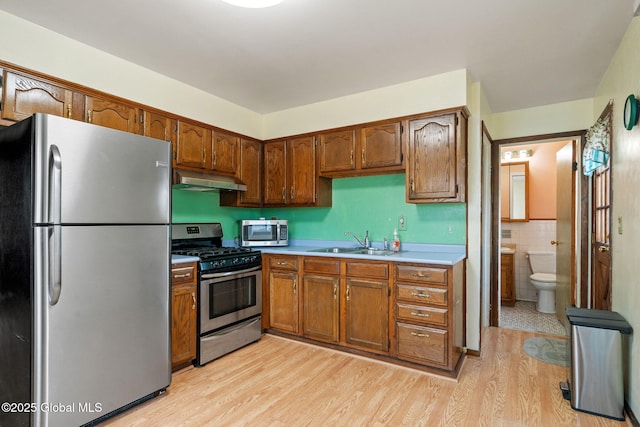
(402, 223)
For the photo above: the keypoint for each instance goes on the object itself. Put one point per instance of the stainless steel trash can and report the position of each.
(597, 383)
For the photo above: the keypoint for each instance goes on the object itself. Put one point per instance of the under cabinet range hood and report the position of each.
(200, 181)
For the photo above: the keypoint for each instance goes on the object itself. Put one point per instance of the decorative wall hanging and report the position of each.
(630, 112)
(596, 150)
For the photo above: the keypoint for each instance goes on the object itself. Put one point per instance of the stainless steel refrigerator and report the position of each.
(84, 271)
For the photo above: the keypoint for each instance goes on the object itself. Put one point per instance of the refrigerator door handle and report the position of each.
(55, 185)
(55, 214)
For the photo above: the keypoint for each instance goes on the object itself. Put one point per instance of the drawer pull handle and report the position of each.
(420, 295)
(421, 274)
(282, 263)
(417, 334)
(415, 313)
(180, 276)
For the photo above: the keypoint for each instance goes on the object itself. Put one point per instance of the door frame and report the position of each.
(494, 295)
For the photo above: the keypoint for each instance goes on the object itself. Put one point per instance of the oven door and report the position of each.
(227, 298)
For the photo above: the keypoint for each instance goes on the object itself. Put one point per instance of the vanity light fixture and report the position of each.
(253, 4)
(520, 154)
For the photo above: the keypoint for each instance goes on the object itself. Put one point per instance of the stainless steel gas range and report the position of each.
(229, 289)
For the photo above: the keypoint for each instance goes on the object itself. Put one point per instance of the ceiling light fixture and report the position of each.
(253, 4)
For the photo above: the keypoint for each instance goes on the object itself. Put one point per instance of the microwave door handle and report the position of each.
(230, 273)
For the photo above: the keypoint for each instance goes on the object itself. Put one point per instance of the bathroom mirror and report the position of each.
(514, 192)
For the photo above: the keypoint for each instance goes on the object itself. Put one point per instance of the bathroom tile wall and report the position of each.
(528, 236)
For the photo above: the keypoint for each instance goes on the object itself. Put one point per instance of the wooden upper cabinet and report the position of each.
(193, 145)
(249, 172)
(112, 114)
(275, 162)
(436, 171)
(381, 146)
(337, 151)
(224, 156)
(365, 150)
(302, 170)
(160, 127)
(23, 96)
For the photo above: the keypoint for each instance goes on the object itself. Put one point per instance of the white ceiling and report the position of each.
(525, 52)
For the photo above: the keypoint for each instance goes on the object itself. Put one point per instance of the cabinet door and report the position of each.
(302, 170)
(251, 172)
(337, 151)
(367, 314)
(506, 280)
(160, 127)
(193, 145)
(381, 146)
(225, 153)
(112, 114)
(22, 97)
(183, 324)
(283, 301)
(432, 149)
(321, 308)
(275, 162)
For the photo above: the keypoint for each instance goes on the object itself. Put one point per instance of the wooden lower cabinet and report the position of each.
(183, 314)
(428, 314)
(507, 280)
(349, 304)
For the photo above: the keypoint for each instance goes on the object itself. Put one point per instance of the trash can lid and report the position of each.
(594, 314)
(617, 325)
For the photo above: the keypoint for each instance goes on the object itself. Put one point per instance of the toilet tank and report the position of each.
(542, 262)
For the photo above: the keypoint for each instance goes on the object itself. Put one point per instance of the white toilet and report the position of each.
(543, 265)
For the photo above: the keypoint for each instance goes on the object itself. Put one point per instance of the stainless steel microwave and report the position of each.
(264, 232)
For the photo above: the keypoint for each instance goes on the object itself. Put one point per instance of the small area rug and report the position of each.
(549, 350)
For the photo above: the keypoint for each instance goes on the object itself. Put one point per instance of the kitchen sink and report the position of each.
(359, 251)
(337, 250)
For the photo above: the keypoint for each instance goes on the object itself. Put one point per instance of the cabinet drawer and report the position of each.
(321, 265)
(183, 274)
(422, 295)
(416, 273)
(283, 262)
(421, 344)
(368, 269)
(420, 313)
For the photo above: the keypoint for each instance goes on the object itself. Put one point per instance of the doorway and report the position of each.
(537, 230)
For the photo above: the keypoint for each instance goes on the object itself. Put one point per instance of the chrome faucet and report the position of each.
(364, 244)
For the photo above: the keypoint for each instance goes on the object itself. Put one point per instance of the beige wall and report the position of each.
(621, 79)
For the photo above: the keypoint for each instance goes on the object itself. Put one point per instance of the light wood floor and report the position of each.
(279, 382)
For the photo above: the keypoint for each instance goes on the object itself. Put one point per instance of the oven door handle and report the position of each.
(230, 273)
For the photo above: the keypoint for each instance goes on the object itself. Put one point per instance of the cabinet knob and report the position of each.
(68, 111)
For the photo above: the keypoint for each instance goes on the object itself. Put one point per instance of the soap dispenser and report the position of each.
(395, 244)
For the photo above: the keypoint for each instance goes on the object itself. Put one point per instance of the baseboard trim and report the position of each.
(631, 415)
(475, 353)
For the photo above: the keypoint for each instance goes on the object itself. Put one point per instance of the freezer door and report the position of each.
(104, 341)
(88, 174)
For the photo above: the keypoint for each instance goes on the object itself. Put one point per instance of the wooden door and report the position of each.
(183, 324)
(381, 146)
(251, 172)
(432, 149)
(367, 314)
(565, 214)
(193, 145)
(275, 166)
(321, 308)
(111, 114)
(302, 170)
(161, 127)
(601, 239)
(283, 301)
(337, 151)
(225, 153)
(23, 96)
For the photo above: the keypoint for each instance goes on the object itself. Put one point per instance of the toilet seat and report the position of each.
(543, 277)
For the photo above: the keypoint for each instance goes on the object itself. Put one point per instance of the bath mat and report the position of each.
(549, 350)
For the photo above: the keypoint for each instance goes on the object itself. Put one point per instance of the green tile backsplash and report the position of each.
(363, 203)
